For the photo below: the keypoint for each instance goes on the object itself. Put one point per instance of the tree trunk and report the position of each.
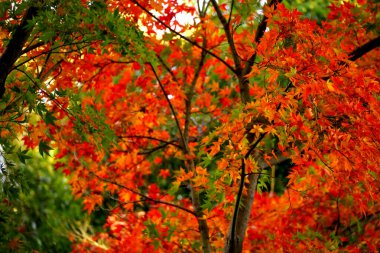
(235, 245)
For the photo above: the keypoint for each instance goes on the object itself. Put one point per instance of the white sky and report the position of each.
(187, 18)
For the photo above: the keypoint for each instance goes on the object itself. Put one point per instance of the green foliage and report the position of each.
(36, 207)
(313, 9)
(264, 181)
(44, 148)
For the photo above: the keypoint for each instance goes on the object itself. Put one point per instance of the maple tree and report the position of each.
(174, 126)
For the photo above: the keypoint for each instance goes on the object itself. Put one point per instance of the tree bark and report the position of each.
(235, 244)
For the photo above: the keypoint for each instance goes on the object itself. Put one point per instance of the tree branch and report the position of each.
(167, 68)
(50, 96)
(32, 47)
(51, 51)
(254, 145)
(172, 142)
(144, 196)
(229, 36)
(171, 107)
(230, 15)
(190, 94)
(14, 48)
(152, 150)
(202, 223)
(362, 50)
(233, 238)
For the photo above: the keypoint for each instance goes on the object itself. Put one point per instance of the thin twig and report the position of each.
(51, 51)
(170, 105)
(229, 37)
(167, 68)
(144, 196)
(172, 142)
(32, 47)
(254, 145)
(231, 9)
(150, 151)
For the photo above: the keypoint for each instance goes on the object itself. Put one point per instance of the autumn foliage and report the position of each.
(173, 126)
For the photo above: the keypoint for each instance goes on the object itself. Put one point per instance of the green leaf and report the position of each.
(292, 72)
(208, 205)
(207, 160)
(116, 13)
(116, 79)
(49, 118)
(151, 230)
(22, 156)
(44, 148)
(174, 188)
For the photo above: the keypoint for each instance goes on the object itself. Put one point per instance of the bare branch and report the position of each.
(234, 242)
(190, 94)
(51, 51)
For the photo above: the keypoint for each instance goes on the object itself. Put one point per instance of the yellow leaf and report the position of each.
(214, 86)
(201, 171)
(268, 10)
(330, 85)
(215, 149)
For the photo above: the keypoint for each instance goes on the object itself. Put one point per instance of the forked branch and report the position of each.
(229, 36)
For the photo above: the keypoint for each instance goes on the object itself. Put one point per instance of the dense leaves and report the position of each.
(171, 124)
(37, 209)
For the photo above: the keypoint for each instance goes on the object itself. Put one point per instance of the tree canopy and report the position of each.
(206, 126)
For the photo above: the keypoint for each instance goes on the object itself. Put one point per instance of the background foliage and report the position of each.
(38, 211)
